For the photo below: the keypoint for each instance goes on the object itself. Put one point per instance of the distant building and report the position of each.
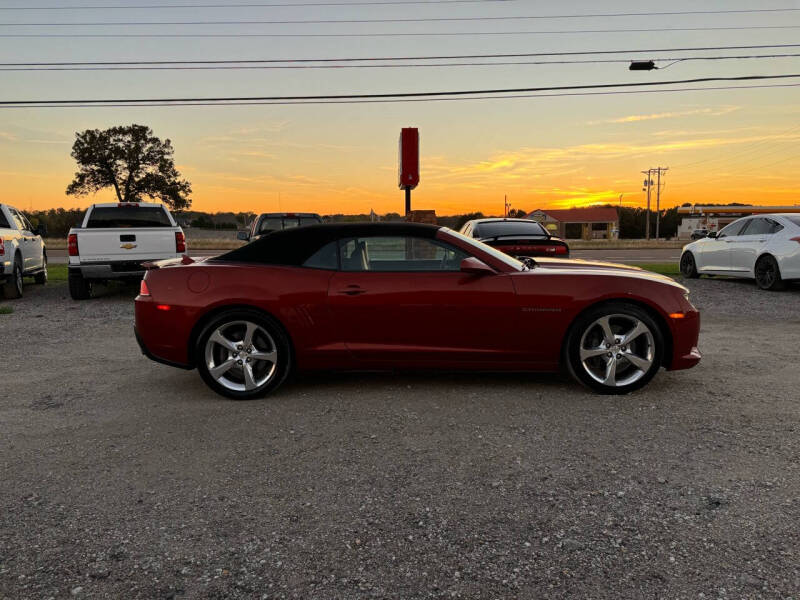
(714, 218)
(422, 216)
(596, 223)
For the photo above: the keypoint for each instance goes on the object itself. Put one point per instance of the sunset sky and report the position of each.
(720, 146)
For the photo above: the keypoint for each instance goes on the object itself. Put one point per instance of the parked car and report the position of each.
(22, 251)
(517, 237)
(268, 222)
(408, 296)
(114, 240)
(761, 247)
(699, 234)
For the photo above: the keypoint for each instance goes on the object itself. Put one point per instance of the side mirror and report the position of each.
(712, 234)
(242, 235)
(476, 267)
(41, 229)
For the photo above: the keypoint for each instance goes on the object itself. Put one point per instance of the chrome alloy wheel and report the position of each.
(241, 356)
(617, 350)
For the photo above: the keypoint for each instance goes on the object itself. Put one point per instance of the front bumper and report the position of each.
(685, 336)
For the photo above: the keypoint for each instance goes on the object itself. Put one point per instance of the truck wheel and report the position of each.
(79, 288)
(13, 288)
(41, 278)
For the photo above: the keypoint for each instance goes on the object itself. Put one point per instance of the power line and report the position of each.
(388, 34)
(400, 20)
(395, 100)
(411, 57)
(397, 95)
(250, 5)
(235, 65)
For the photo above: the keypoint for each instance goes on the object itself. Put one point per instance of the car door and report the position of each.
(27, 246)
(35, 245)
(716, 253)
(404, 301)
(747, 246)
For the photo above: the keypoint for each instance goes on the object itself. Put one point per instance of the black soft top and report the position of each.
(294, 246)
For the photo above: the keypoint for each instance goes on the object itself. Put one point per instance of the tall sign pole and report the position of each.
(408, 163)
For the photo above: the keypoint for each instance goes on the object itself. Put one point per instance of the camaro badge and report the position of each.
(127, 246)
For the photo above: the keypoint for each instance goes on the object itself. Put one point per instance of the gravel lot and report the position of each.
(122, 478)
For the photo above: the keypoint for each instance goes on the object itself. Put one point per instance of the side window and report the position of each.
(18, 219)
(399, 254)
(3, 222)
(326, 257)
(774, 226)
(759, 226)
(734, 228)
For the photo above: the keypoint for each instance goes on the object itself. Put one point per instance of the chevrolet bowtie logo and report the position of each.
(127, 246)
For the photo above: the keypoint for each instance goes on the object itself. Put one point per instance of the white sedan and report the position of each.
(761, 247)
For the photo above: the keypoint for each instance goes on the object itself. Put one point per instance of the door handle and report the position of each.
(352, 290)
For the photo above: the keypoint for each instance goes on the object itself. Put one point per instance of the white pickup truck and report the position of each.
(22, 251)
(114, 240)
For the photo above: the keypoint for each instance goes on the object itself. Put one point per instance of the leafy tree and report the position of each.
(131, 160)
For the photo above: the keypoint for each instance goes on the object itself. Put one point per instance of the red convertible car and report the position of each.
(408, 296)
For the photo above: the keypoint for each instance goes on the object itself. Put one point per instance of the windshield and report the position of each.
(278, 223)
(128, 216)
(509, 228)
(512, 262)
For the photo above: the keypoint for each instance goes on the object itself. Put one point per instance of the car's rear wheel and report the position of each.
(41, 276)
(13, 287)
(243, 354)
(79, 287)
(689, 266)
(768, 274)
(615, 348)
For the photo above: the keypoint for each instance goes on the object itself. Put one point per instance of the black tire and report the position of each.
(41, 277)
(79, 288)
(12, 289)
(645, 348)
(266, 375)
(689, 266)
(768, 274)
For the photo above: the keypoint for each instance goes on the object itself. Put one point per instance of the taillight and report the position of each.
(180, 242)
(72, 244)
(2, 246)
(143, 289)
(794, 239)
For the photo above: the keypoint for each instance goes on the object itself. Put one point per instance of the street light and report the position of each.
(642, 65)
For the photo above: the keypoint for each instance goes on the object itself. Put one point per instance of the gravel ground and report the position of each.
(122, 478)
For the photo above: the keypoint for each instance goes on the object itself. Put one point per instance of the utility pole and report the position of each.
(506, 205)
(658, 197)
(647, 186)
(648, 183)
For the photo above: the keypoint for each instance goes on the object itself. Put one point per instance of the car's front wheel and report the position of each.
(243, 354)
(768, 274)
(615, 348)
(689, 266)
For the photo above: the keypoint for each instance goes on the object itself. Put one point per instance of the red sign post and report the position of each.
(408, 162)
